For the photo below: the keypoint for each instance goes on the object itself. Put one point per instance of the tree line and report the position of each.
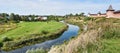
(4, 17)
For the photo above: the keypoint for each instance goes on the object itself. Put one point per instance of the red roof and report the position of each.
(117, 11)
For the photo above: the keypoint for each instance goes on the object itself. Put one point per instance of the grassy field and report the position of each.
(111, 46)
(6, 27)
(27, 33)
(28, 28)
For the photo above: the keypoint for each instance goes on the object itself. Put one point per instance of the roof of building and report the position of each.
(99, 12)
(118, 11)
(92, 14)
(110, 8)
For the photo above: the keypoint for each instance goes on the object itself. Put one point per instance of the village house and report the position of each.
(110, 13)
(42, 18)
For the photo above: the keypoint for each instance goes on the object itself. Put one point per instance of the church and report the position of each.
(110, 13)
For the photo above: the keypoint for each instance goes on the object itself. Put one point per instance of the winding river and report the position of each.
(71, 32)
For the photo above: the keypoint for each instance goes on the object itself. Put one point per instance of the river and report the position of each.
(70, 32)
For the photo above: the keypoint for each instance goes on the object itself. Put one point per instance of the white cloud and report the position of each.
(52, 7)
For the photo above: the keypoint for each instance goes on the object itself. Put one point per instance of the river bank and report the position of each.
(97, 36)
(48, 44)
(19, 42)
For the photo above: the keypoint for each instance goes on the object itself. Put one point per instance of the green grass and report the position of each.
(111, 46)
(28, 28)
(6, 27)
(28, 33)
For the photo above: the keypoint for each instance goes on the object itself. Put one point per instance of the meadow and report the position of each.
(26, 32)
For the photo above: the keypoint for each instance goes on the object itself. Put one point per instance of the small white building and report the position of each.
(42, 18)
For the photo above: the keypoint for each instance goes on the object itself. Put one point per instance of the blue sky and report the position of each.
(56, 7)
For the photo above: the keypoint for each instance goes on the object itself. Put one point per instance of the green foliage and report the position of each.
(1, 44)
(87, 18)
(45, 32)
(12, 16)
(4, 39)
(15, 17)
(55, 18)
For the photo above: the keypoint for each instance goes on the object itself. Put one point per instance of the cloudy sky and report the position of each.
(56, 7)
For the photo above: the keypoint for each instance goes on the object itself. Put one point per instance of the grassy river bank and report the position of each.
(28, 33)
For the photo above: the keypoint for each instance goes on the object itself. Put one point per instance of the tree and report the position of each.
(12, 17)
(71, 14)
(17, 18)
(4, 17)
(76, 14)
(82, 14)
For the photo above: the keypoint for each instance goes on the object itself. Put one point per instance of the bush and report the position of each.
(5, 39)
(1, 44)
(45, 32)
(87, 18)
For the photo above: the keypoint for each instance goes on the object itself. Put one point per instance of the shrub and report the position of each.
(87, 18)
(45, 32)
(1, 44)
(6, 39)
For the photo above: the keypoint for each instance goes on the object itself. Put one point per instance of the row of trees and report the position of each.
(4, 17)
(70, 15)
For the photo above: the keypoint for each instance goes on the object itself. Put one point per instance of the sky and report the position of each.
(56, 7)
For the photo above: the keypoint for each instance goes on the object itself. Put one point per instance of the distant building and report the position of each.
(42, 18)
(110, 13)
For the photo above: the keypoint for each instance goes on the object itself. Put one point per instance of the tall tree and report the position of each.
(82, 14)
(5, 17)
(76, 14)
(71, 14)
(17, 18)
(12, 16)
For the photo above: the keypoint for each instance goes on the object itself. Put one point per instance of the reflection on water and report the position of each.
(72, 31)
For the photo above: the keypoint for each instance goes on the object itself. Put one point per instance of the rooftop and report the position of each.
(110, 8)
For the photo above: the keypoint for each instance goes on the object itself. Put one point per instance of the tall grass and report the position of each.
(92, 41)
(84, 43)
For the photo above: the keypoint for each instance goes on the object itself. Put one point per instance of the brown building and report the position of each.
(110, 13)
